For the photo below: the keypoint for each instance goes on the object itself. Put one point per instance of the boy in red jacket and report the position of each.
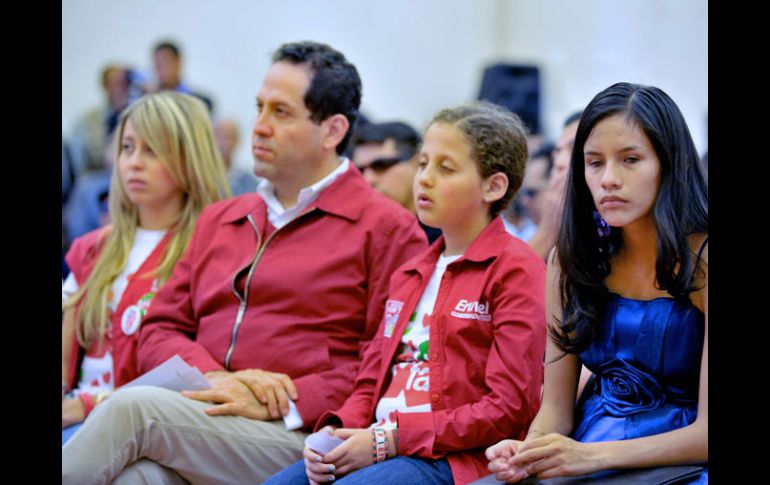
(457, 362)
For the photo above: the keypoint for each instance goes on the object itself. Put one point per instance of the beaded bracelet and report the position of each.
(374, 446)
(380, 442)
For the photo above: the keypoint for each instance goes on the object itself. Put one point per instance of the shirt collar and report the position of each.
(346, 197)
(306, 195)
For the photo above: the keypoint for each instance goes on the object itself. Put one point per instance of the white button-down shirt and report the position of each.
(278, 215)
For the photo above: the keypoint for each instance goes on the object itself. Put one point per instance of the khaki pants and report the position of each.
(153, 435)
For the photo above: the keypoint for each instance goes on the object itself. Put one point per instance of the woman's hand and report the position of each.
(555, 455)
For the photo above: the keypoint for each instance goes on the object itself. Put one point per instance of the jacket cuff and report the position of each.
(329, 418)
(312, 398)
(416, 434)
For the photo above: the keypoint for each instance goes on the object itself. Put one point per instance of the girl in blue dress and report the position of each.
(626, 296)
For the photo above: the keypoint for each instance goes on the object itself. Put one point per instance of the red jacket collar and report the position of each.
(486, 246)
(343, 198)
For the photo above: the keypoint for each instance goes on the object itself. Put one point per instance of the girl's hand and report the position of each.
(555, 455)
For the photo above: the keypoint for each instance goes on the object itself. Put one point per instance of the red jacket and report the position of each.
(487, 344)
(81, 259)
(316, 296)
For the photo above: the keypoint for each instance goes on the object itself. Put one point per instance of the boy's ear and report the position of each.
(494, 187)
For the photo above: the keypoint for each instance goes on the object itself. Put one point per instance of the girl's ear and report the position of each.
(494, 187)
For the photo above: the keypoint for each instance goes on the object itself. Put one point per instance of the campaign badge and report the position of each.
(392, 312)
(131, 320)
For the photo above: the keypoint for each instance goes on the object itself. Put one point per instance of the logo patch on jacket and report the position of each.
(392, 312)
(472, 310)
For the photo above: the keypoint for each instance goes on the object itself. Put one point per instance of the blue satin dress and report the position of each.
(646, 359)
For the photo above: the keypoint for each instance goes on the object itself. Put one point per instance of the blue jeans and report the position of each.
(67, 432)
(401, 470)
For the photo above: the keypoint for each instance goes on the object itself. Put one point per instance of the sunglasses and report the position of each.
(381, 164)
(529, 192)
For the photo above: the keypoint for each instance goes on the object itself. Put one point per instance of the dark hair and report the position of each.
(498, 141)
(572, 118)
(545, 151)
(681, 209)
(168, 45)
(406, 138)
(335, 87)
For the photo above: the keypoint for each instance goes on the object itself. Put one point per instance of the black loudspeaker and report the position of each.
(516, 87)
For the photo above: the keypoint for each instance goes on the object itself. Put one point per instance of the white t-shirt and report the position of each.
(278, 215)
(408, 391)
(96, 368)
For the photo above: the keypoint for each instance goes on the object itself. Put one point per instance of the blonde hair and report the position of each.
(178, 129)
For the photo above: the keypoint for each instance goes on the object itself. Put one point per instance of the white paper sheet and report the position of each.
(174, 374)
(322, 442)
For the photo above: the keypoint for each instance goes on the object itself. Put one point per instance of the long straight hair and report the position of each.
(177, 128)
(680, 209)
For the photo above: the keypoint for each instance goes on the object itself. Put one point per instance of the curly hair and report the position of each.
(498, 141)
(335, 87)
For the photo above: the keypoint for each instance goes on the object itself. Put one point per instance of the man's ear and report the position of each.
(494, 187)
(336, 127)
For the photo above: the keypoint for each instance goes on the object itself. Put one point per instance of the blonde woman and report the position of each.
(168, 168)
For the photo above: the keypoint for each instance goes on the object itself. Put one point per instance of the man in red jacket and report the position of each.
(277, 296)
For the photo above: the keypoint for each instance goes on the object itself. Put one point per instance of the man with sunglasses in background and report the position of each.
(550, 201)
(523, 215)
(386, 154)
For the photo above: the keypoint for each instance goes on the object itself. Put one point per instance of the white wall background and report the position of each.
(414, 56)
